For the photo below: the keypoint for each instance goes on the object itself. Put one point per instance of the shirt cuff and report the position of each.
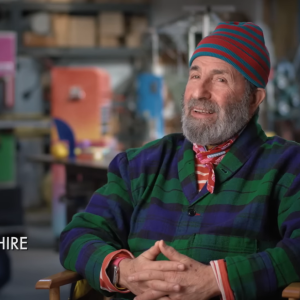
(220, 271)
(105, 283)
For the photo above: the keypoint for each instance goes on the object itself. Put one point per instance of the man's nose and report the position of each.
(202, 89)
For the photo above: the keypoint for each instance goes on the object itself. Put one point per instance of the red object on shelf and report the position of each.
(8, 65)
(81, 97)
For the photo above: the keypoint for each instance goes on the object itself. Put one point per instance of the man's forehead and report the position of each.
(203, 61)
(213, 64)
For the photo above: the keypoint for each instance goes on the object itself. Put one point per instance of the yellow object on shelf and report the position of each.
(60, 150)
(270, 133)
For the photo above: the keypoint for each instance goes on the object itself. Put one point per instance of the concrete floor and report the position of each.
(39, 261)
(27, 268)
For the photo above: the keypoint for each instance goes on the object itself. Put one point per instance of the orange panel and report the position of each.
(81, 97)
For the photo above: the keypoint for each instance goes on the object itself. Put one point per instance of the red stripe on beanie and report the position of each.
(229, 58)
(240, 53)
(239, 49)
(241, 30)
(253, 27)
(246, 41)
(246, 49)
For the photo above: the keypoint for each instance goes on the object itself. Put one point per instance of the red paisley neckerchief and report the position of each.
(212, 157)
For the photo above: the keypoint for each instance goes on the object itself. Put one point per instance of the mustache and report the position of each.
(204, 104)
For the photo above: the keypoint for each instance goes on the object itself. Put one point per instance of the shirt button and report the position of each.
(191, 212)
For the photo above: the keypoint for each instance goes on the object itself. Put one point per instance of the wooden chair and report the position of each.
(54, 282)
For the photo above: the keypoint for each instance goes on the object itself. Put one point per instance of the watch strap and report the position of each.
(116, 263)
(105, 280)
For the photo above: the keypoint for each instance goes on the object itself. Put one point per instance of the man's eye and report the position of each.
(195, 76)
(221, 80)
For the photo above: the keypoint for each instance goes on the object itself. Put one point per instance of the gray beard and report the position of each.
(230, 121)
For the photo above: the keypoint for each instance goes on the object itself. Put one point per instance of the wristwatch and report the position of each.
(115, 278)
(116, 272)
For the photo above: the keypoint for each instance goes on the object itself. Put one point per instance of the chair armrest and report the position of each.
(292, 291)
(58, 280)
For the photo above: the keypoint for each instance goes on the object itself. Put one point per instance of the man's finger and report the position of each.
(146, 276)
(166, 265)
(152, 252)
(163, 286)
(171, 253)
(150, 295)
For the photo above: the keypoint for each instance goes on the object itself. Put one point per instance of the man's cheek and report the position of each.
(186, 107)
(190, 87)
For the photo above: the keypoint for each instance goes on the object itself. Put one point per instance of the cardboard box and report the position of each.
(61, 29)
(82, 32)
(133, 40)
(111, 24)
(109, 41)
(31, 39)
(108, 1)
(137, 24)
(67, 1)
(136, 1)
(38, 1)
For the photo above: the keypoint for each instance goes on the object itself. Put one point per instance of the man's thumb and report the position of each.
(152, 252)
(169, 252)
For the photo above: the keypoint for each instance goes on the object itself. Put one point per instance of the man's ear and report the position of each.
(257, 98)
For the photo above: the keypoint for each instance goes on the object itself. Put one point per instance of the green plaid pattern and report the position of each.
(252, 220)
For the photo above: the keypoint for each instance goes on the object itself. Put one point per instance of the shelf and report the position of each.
(76, 7)
(49, 159)
(121, 52)
(17, 9)
(12, 124)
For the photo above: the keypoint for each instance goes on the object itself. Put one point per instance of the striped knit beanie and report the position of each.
(242, 45)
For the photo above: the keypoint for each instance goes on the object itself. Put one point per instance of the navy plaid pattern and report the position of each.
(252, 220)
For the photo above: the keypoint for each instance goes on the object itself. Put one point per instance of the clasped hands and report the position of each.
(177, 279)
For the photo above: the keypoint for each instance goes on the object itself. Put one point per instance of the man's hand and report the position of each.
(196, 282)
(146, 262)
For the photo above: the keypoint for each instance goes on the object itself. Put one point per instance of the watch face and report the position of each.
(116, 275)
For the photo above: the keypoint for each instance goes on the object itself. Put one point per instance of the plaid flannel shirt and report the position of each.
(252, 220)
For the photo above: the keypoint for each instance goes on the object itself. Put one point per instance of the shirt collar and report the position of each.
(211, 147)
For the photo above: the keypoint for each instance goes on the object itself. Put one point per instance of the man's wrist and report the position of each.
(124, 266)
(213, 289)
(109, 274)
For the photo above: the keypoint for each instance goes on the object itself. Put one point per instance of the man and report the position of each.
(212, 212)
